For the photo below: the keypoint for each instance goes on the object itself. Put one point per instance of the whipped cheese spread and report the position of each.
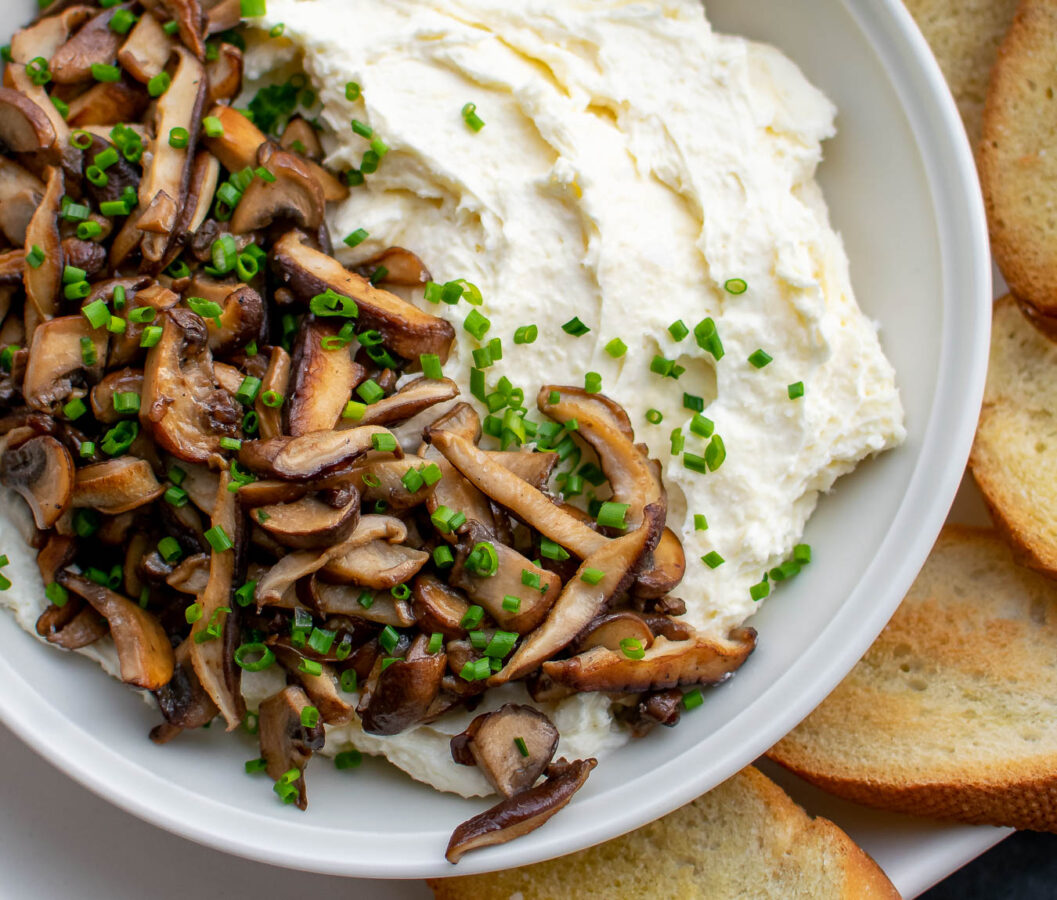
(632, 163)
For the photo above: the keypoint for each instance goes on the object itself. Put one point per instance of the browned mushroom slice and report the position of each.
(293, 195)
(146, 50)
(399, 695)
(414, 397)
(405, 329)
(20, 194)
(380, 607)
(516, 816)
(183, 702)
(308, 522)
(224, 74)
(603, 425)
(438, 607)
(609, 629)
(322, 689)
(181, 405)
(50, 30)
(24, 128)
(188, 16)
(116, 486)
(535, 468)
(143, 649)
(241, 317)
(382, 481)
(12, 266)
(286, 743)
(280, 578)
(323, 379)
(201, 484)
(71, 626)
(95, 43)
(512, 747)
(123, 381)
(125, 347)
(44, 281)
(41, 471)
(163, 189)
(666, 664)
(215, 634)
(401, 266)
(582, 600)
(505, 488)
(237, 148)
(663, 569)
(223, 16)
(191, 576)
(86, 255)
(510, 579)
(56, 362)
(276, 383)
(228, 377)
(107, 103)
(309, 456)
(377, 564)
(301, 138)
(202, 185)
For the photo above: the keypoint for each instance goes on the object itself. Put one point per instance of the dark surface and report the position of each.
(1022, 867)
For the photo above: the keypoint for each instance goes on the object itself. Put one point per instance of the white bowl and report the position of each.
(902, 189)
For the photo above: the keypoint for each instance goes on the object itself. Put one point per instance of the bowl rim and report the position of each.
(965, 256)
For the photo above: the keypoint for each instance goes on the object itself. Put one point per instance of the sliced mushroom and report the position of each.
(516, 816)
(107, 103)
(228, 377)
(581, 601)
(56, 371)
(43, 282)
(181, 405)
(300, 137)
(146, 50)
(201, 484)
(188, 16)
(281, 577)
(125, 347)
(308, 522)
(237, 147)
(414, 397)
(95, 43)
(183, 701)
(224, 74)
(292, 196)
(241, 317)
(380, 607)
(377, 564)
(211, 655)
(71, 626)
(285, 742)
(309, 456)
(322, 689)
(665, 569)
(86, 255)
(276, 382)
(191, 576)
(405, 329)
(493, 742)
(20, 194)
(143, 649)
(123, 381)
(322, 380)
(401, 266)
(116, 486)
(382, 481)
(41, 471)
(438, 607)
(609, 629)
(399, 695)
(49, 32)
(163, 189)
(24, 128)
(667, 664)
(202, 185)
(508, 580)
(223, 16)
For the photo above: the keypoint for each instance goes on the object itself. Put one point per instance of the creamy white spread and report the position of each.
(632, 162)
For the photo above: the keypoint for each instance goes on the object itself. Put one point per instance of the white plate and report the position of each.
(902, 188)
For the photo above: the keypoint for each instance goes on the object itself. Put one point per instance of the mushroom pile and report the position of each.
(240, 454)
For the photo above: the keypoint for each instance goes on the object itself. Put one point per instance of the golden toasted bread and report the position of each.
(1018, 155)
(746, 838)
(950, 713)
(1014, 454)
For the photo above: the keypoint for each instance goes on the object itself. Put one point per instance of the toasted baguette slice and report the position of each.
(746, 838)
(1014, 454)
(1018, 168)
(951, 712)
(965, 36)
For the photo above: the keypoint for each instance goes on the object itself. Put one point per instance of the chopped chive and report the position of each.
(592, 382)
(74, 409)
(357, 237)
(760, 358)
(802, 553)
(35, 258)
(712, 559)
(760, 590)
(159, 84)
(253, 657)
(96, 313)
(443, 558)
(476, 324)
(707, 338)
(575, 327)
(179, 137)
(612, 515)
(654, 416)
(678, 441)
(469, 115)
(105, 73)
(692, 699)
(169, 548)
(700, 522)
(552, 550)
(702, 426)
(678, 330)
(715, 453)
(796, 390)
(592, 576)
(526, 334)
(370, 391)
(735, 286)
(175, 496)
(632, 648)
(511, 604)
(693, 402)
(352, 91)
(616, 348)
(218, 539)
(694, 462)
(383, 443)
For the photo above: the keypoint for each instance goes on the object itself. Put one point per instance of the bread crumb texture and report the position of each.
(745, 839)
(1014, 456)
(1018, 155)
(964, 36)
(950, 713)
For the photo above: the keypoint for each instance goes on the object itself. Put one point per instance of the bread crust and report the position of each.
(1017, 162)
(1003, 785)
